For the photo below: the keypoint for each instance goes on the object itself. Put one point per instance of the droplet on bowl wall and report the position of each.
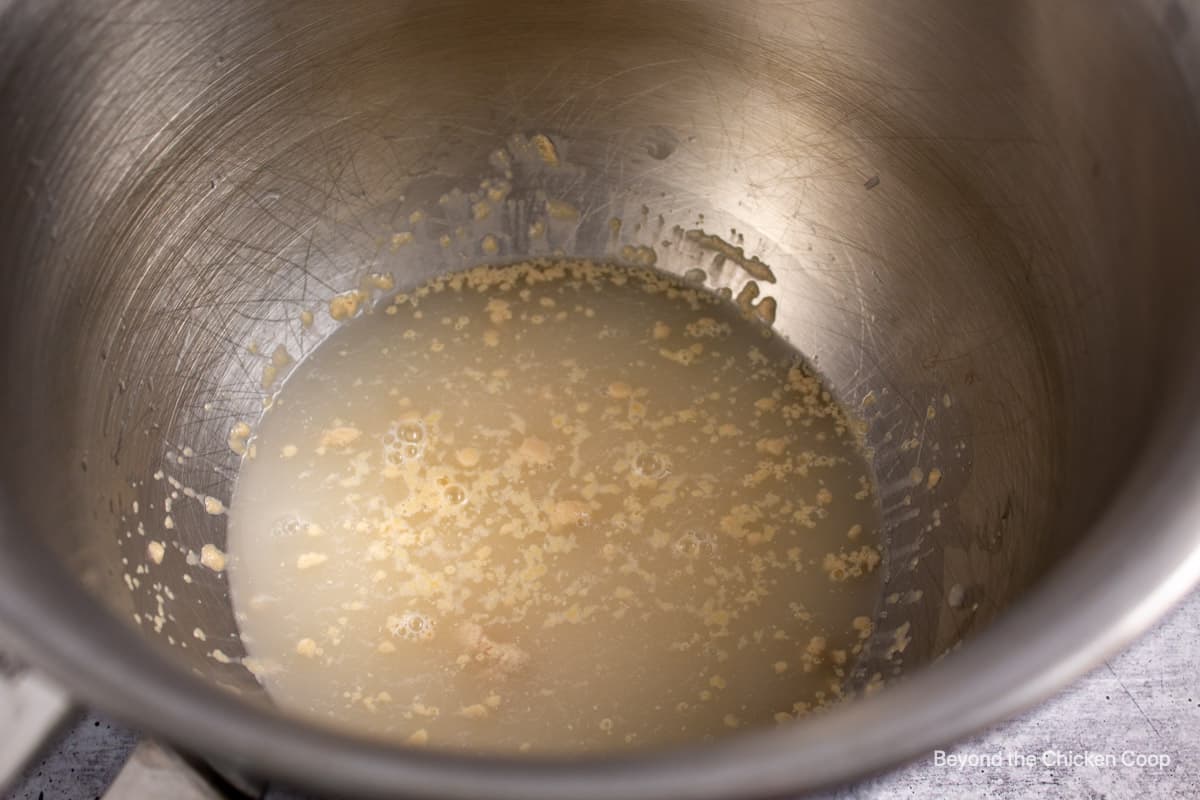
(239, 434)
(346, 305)
(900, 641)
(212, 557)
(764, 310)
(753, 266)
(561, 209)
(545, 149)
(280, 357)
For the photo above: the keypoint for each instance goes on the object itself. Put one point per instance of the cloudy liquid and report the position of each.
(560, 507)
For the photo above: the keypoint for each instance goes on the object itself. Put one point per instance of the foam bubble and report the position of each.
(649, 464)
(404, 442)
(411, 625)
(695, 544)
(412, 431)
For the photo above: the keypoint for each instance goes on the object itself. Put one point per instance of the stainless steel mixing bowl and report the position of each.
(984, 219)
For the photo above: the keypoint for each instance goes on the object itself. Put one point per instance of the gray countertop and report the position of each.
(1130, 729)
(1145, 701)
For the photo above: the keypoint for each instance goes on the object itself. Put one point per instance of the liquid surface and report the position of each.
(560, 507)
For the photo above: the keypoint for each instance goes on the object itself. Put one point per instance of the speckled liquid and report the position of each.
(556, 507)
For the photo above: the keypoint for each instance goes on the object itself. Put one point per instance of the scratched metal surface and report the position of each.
(1145, 700)
(1020, 188)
